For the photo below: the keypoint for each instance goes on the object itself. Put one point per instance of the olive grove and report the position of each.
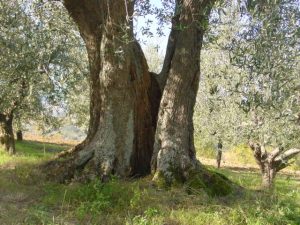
(252, 94)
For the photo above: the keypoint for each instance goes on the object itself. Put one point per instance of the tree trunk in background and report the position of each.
(6, 133)
(268, 176)
(271, 162)
(19, 135)
(267, 169)
(174, 152)
(219, 158)
(219, 153)
(121, 131)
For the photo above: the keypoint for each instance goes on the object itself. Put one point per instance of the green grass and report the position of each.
(240, 154)
(30, 152)
(27, 198)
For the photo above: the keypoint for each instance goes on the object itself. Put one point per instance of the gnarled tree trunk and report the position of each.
(6, 133)
(125, 97)
(121, 132)
(271, 162)
(267, 168)
(174, 152)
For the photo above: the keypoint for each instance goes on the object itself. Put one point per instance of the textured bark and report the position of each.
(87, 15)
(174, 152)
(6, 133)
(268, 176)
(266, 165)
(121, 131)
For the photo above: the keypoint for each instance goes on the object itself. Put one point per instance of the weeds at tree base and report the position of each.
(137, 201)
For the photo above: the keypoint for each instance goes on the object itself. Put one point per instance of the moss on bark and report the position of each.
(213, 183)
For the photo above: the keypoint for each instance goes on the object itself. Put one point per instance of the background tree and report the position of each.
(41, 67)
(269, 54)
(260, 86)
(217, 115)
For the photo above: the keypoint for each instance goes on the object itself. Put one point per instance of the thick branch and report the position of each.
(88, 25)
(275, 153)
(287, 155)
(282, 161)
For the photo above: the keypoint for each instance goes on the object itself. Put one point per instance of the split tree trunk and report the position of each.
(271, 162)
(121, 132)
(125, 98)
(6, 133)
(174, 153)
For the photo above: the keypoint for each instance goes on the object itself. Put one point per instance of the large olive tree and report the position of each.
(139, 121)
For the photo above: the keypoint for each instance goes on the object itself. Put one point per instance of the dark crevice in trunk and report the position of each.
(155, 97)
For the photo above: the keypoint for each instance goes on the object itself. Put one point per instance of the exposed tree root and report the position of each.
(69, 165)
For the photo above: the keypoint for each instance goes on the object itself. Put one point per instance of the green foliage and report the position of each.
(205, 147)
(147, 218)
(217, 115)
(42, 60)
(268, 53)
(250, 79)
(241, 154)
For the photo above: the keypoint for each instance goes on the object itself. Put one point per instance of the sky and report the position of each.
(160, 42)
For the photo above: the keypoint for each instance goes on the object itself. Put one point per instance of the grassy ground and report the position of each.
(27, 198)
(239, 156)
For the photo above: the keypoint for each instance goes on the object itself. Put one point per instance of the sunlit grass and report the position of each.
(240, 155)
(31, 152)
